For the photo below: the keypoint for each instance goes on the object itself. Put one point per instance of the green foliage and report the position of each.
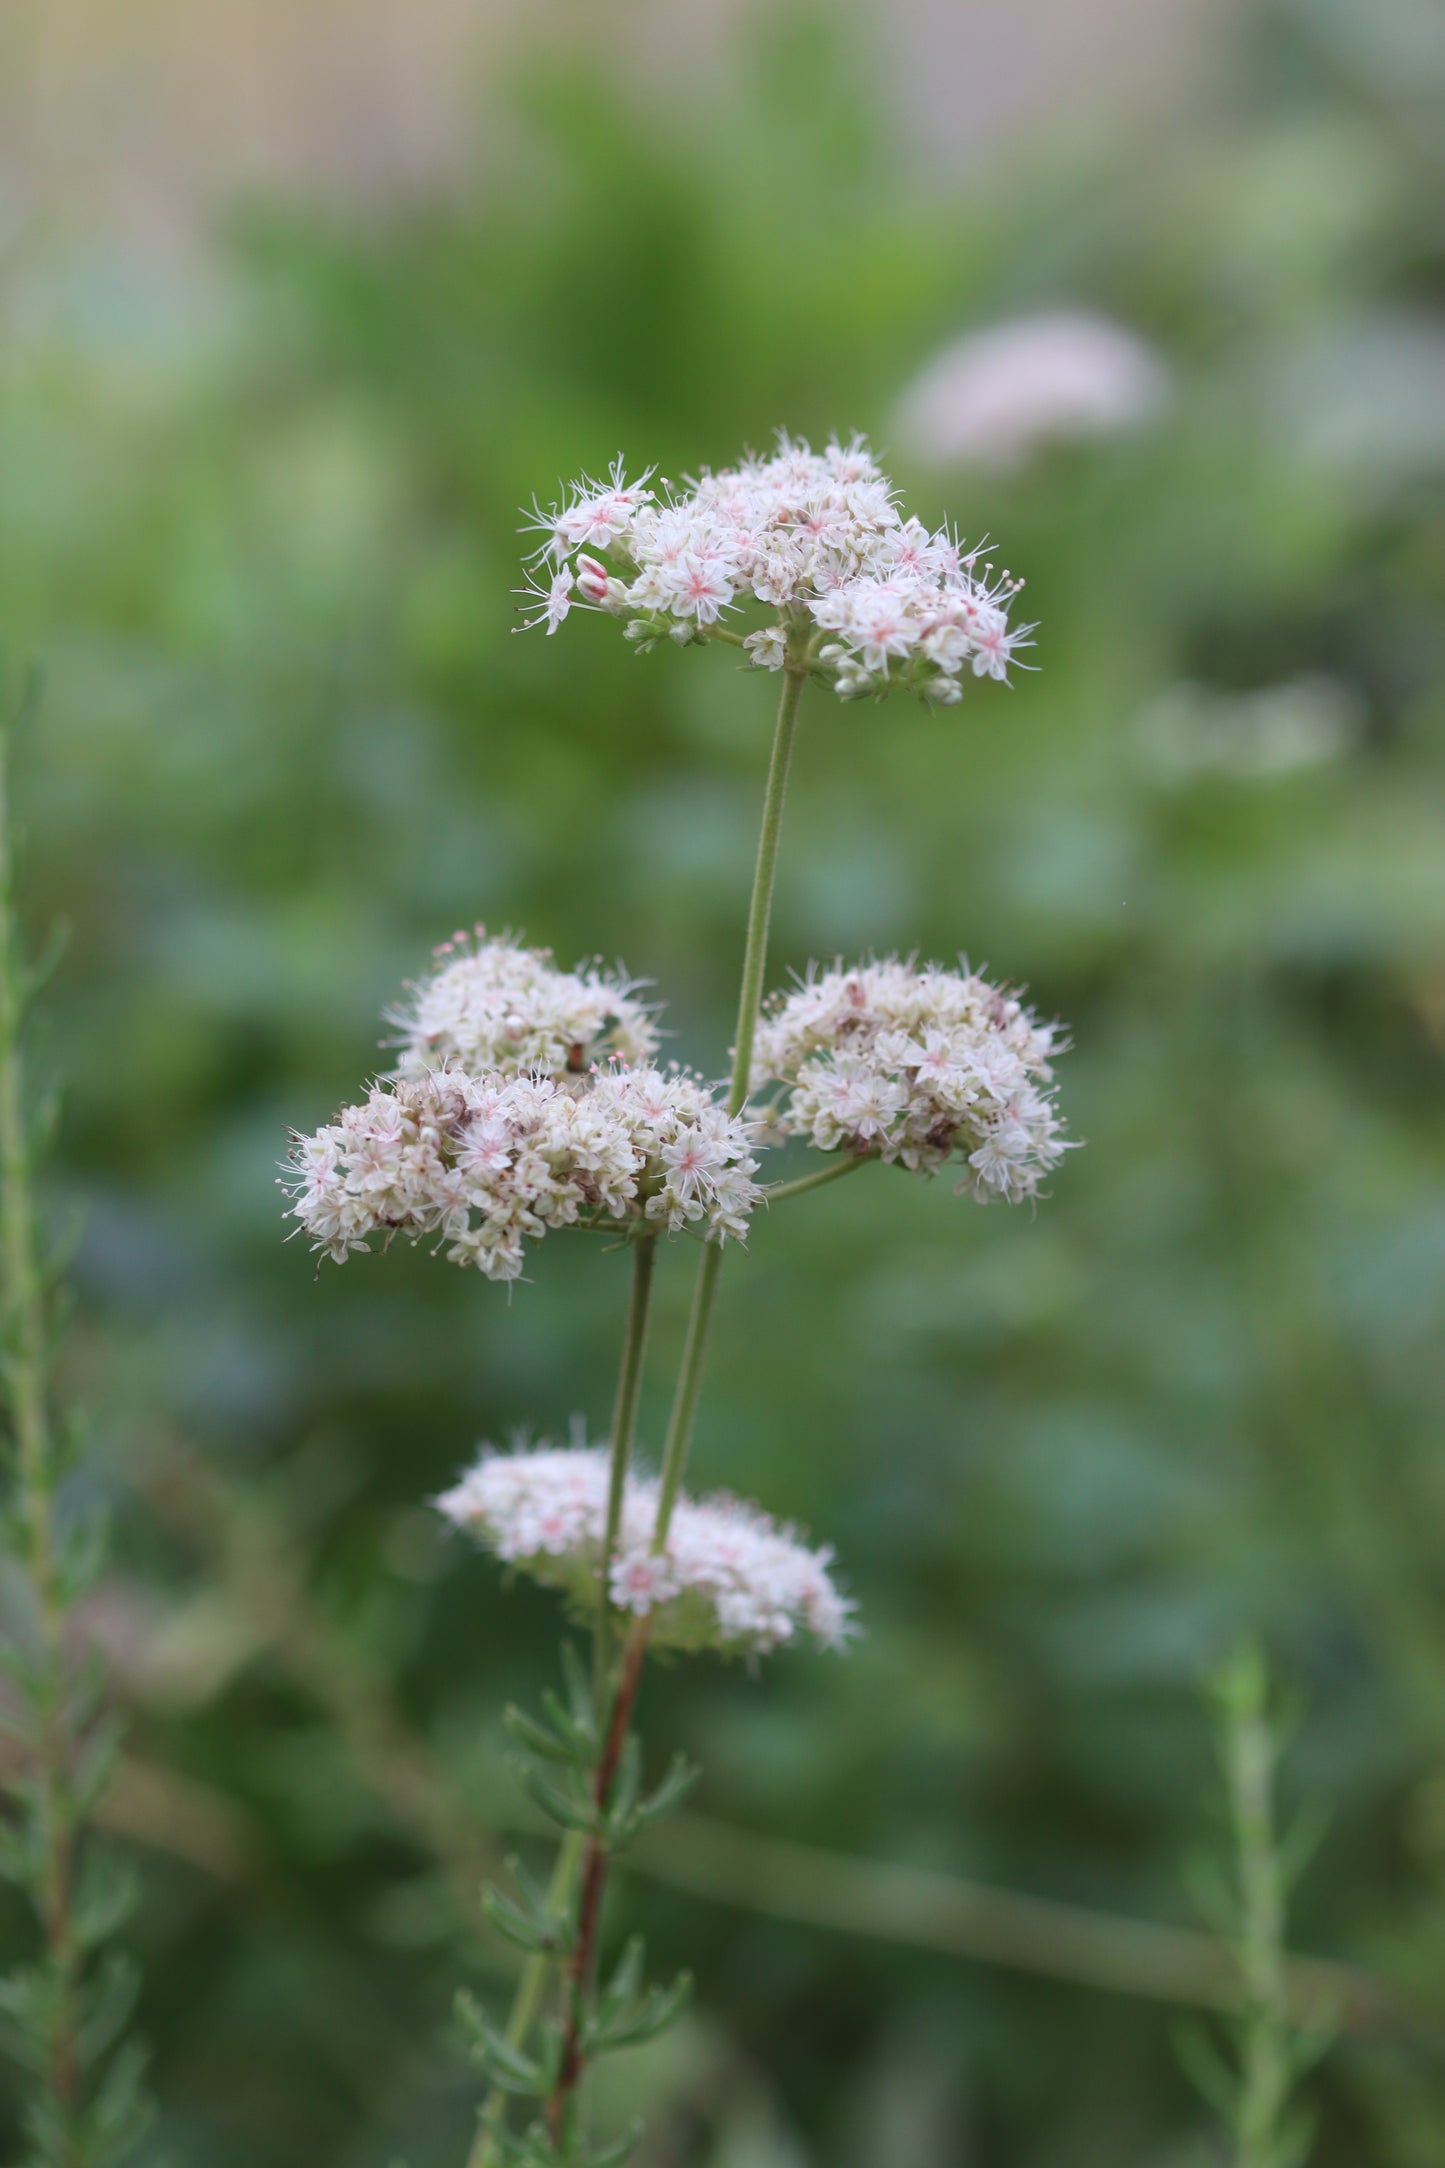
(1246, 1905)
(64, 2012)
(602, 1800)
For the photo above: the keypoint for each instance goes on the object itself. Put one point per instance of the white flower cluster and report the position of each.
(729, 1578)
(492, 1007)
(868, 599)
(486, 1164)
(918, 1065)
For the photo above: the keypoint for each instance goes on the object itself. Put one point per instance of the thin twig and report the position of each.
(927, 1910)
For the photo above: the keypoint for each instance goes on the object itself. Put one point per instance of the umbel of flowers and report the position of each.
(491, 1005)
(486, 1164)
(729, 1578)
(921, 1066)
(526, 1099)
(815, 541)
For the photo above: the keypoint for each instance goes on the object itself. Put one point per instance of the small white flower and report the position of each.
(554, 600)
(768, 649)
(728, 1578)
(919, 1066)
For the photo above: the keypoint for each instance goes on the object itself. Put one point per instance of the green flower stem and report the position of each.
(527, 2002)
(688, 1390)
(22, 1294)
(755, 957)
(624, 1424)
(1266, 2076)
(846, 1163)
(760, 910)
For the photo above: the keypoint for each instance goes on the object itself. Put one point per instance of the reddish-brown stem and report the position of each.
(594, 1880)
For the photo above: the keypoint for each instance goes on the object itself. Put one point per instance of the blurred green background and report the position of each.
(261, 538)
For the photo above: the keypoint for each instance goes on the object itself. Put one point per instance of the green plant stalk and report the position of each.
(1266, 2076)
(845, 1163)
(23, 1293)
(760, 908)
(526, 2003)
(686, 1394)
(755, 959)
(532, 1984)
(624, 1425)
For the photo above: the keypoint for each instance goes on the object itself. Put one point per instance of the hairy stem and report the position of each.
(22, 1291)
(685, 1397)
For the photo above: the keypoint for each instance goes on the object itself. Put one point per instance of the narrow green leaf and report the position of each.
(624, 1983)
(617, 2154)
(535, 1738)
(682, 1775)
(579, 1692)
(506, 2065)
(564, 1808)
(659, 2007)
(1206, 2069)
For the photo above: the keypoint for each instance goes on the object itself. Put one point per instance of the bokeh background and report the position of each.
(299, 304)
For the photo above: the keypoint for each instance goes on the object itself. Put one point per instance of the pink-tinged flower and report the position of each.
(486, 1164)
(593, 581)
(919, 1066)
(815, 538)
(727, 1578)
(492, 1007)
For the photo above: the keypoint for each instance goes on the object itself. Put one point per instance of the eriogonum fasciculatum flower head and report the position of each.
(855, 594)
(916, 1064)
(492, 1007)
(488, 1163)
(728, 1578)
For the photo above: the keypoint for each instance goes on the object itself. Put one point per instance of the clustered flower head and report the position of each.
(728, 1577)
(494, 1007)
(861, 597)
(920, 1065)
(488, 1163)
